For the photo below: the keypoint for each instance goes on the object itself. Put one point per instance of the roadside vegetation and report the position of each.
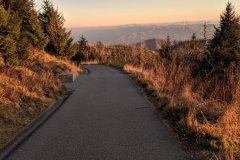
(195, 85)
(28, 90)
(34, 49)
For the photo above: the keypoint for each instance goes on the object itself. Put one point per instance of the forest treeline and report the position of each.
(22, 26)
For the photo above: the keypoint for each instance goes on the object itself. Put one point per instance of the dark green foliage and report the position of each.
(166, 50)
(193, 42)
(83, 51)
(20, 27)
(23, 46)
(53, 26)
(224, 50)
(7, 51)
(83, 46)
(9, 33)
(36, 34)
(70, 48)
(31, 25)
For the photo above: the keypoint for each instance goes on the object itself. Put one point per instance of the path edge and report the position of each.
(30, 129)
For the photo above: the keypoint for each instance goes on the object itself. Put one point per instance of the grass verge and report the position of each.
(208, 130)
(28, 90)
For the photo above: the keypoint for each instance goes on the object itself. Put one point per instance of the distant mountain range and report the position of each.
(132, 34)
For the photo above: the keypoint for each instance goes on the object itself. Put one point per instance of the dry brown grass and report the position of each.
(212, 117)
(92, 62)
(28, 90)
(45, 58)
(205, 112)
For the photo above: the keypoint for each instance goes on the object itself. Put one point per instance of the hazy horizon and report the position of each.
(148, 24)
(105, 13)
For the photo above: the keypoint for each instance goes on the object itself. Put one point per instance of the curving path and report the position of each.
(106, 118)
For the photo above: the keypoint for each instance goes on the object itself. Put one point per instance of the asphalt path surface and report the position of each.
(106, 118)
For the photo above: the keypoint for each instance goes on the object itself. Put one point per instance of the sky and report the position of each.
(86, 13)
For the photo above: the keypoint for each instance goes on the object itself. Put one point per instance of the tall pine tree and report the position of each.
(31, 25)
(53, 25)
(9, 36)
(166, 50)
(82, 53)
(31, 31)
(224, 48)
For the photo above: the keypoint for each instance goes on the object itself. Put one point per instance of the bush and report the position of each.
(224, 50)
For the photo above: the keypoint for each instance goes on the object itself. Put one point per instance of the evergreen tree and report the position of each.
(83, 45)
(53, 25)
(224, 48)
(31, 30)
(71, 48)
(9, 36)
(166, 50)
(193, 42)
(82, 53)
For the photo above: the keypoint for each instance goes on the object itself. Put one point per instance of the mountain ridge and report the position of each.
(151, 44)
(132, 34)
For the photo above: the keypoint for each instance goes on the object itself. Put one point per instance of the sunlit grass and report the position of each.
(28, 90)
(195, 107)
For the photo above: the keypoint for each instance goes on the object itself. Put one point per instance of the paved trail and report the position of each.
(106, 118)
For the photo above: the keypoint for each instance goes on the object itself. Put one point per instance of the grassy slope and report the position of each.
(206, 126)
(198, 110)
(28, 90)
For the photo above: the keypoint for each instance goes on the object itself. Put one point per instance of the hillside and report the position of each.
(28, 90)
(151, 44)
(131, 34)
